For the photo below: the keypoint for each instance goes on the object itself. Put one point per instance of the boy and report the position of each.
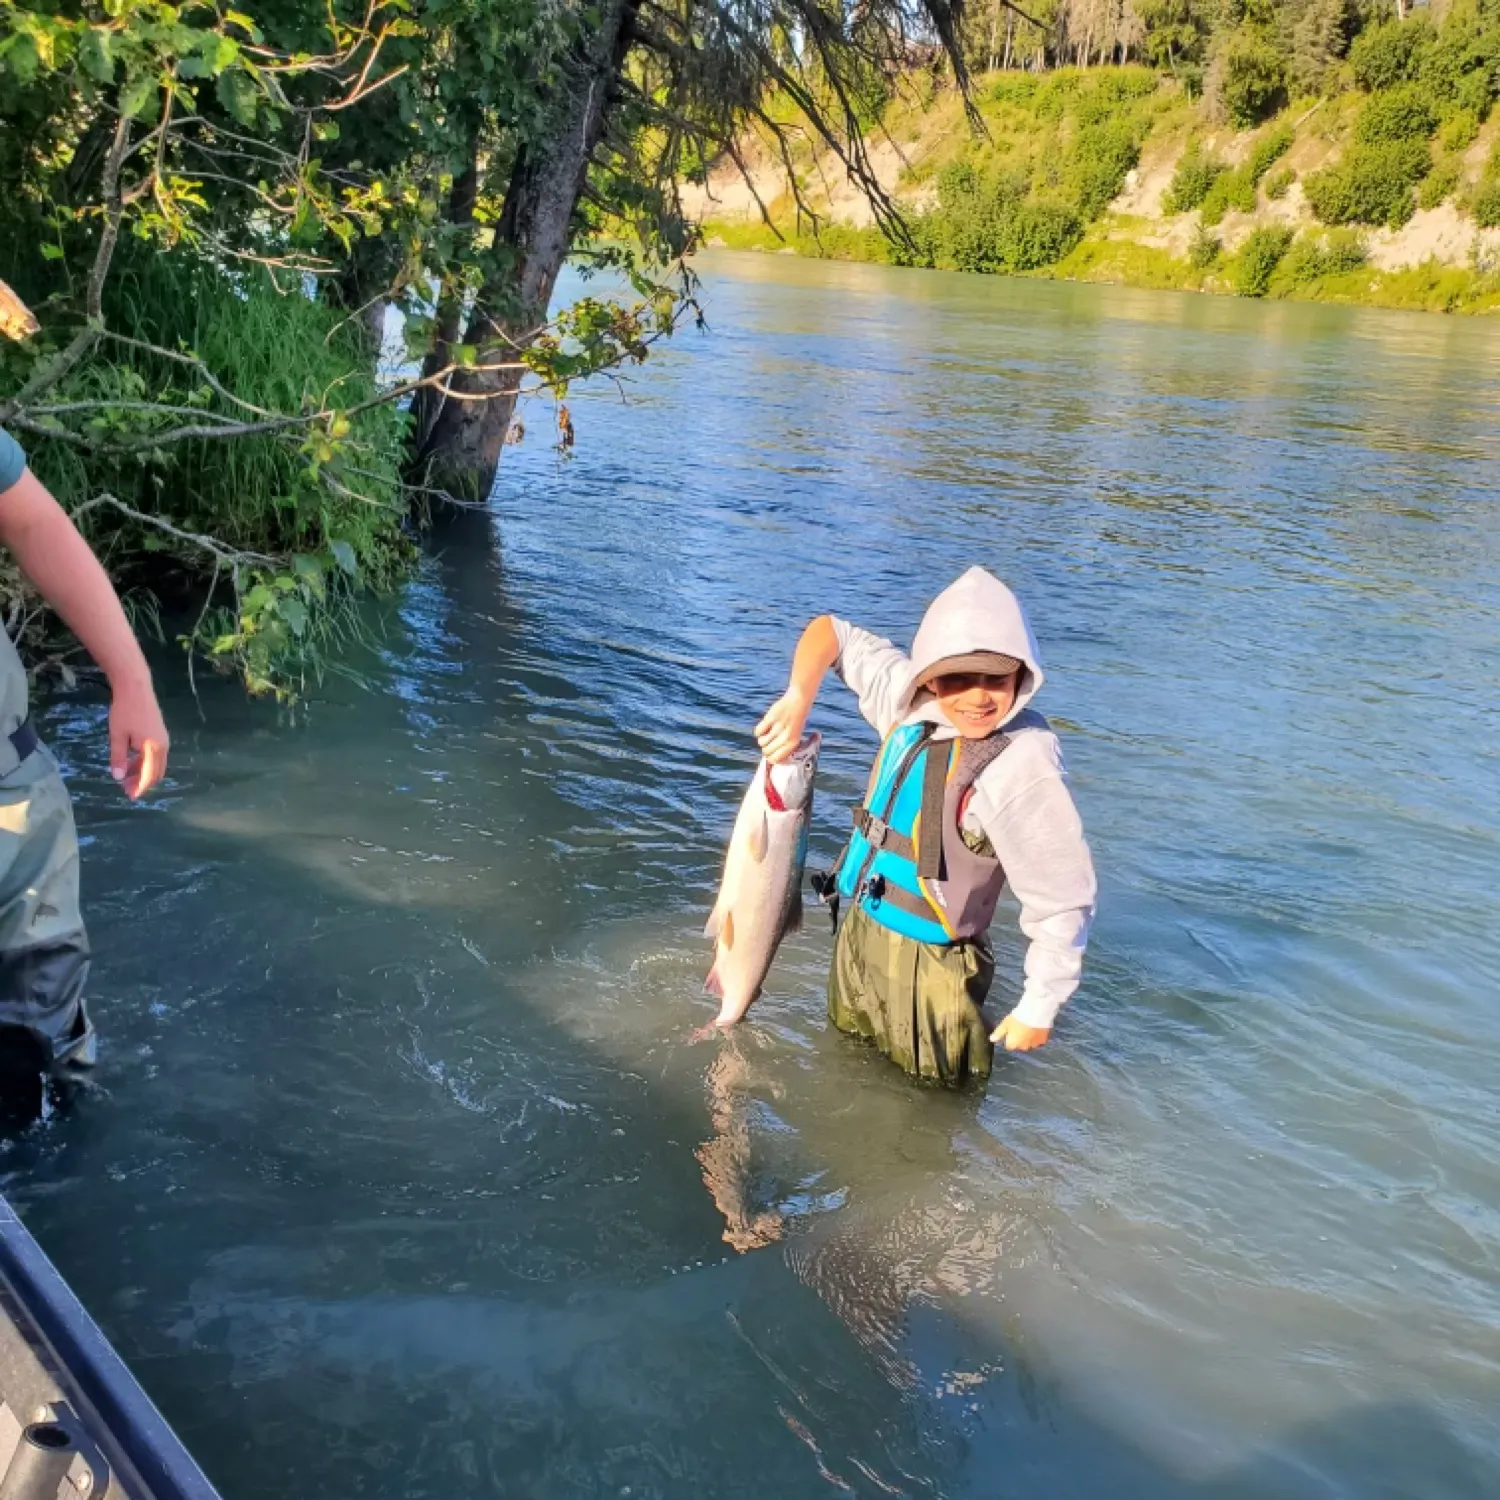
(44, 952)
(966, 793)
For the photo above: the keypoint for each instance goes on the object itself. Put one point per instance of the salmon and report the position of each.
(760, 898)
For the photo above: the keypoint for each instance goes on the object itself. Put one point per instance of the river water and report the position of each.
(407, 1181)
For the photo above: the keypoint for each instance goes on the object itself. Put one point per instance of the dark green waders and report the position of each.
(918, 1002)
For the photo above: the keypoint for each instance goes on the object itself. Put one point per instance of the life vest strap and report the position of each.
(880, 891)
(879, 834)
(928, 857)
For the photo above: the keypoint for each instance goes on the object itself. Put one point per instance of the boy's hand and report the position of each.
(1018, 1037)
(780, 732)
(138, 740)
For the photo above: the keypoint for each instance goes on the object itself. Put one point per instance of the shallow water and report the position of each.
(407, 1182)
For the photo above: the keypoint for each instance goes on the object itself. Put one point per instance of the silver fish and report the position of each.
(760, 898)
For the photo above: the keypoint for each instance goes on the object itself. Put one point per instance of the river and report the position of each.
(405, 1180)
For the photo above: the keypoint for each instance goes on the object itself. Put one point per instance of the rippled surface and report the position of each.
(408, 1183)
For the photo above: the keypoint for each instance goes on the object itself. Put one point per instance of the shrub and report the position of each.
(1371, 185)
(1098, 160)
(1278, 183)
(1038, 234)
(1267, 151)
(1236, 189)
(1476, 92)
(1485, 205)
(1403, 114)
(1458, 130)
(1438, 185)
(986, 223)
(1334, 254)
(1457, 69)
(1204, 250)
(1258, 258)
(1251, 79)
(1391, 54)
(1195, 175)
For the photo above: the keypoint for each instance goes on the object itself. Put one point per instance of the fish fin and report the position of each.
(711, 928)
(713, 985)
(760, 839)
(726, 932)
(793, 918)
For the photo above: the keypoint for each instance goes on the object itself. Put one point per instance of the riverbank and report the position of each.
(1381, 196)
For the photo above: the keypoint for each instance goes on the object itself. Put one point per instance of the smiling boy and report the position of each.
(967, 793)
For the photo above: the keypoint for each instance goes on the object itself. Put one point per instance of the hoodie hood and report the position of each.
(975, 613)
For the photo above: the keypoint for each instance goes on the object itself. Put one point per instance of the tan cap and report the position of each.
(980, 663)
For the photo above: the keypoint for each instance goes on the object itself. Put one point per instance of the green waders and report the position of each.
(44, 951)
(918, 1002)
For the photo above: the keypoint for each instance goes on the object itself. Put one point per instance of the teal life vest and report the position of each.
(907, 864)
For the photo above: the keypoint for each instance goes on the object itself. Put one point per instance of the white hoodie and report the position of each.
(1021, 800)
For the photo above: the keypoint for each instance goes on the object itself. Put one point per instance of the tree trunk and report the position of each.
(448, 324)
(462, 449)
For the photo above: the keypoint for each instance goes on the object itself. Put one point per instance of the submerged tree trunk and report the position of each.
(463, 444)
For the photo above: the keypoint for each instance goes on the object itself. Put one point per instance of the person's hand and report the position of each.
(138, 739)
(780, 732)
(1018, 1037)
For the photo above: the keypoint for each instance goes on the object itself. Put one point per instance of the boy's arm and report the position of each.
(1038, 837)
(875, 669)
(64, 571)
(780, 731)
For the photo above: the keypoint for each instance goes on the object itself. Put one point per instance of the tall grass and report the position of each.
(321, 507)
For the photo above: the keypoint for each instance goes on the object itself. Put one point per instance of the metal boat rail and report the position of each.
(74, 1423)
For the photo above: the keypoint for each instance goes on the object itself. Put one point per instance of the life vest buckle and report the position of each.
(876, 831)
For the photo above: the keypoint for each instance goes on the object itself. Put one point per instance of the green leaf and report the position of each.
(344, 556)
(465, 354)
(19, 58)
(137, 94)
(256, 600)
(51, 252)
(294, 612)
(305, 565)
(238, 94)
(209, 56)
(95, 55)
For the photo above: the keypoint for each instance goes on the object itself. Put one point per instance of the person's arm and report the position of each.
(780, 731)
(1038, 837)
(63, 569)
(872, 668)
